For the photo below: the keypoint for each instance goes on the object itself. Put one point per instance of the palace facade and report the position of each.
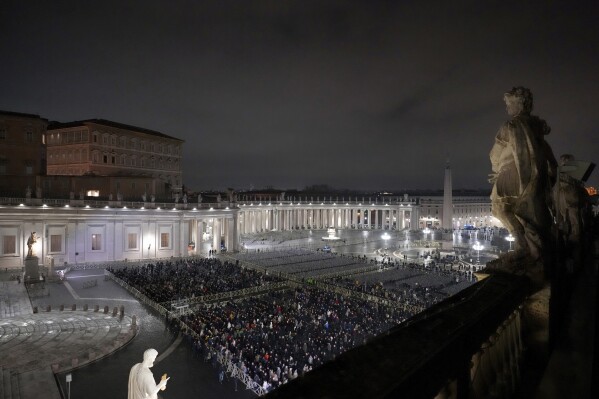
(104, 148)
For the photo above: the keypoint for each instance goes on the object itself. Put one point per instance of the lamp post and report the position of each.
(477, 247)
(385, 238)
(426, 231)
(511, 239)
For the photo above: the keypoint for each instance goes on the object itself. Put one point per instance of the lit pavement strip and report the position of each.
(76, 296)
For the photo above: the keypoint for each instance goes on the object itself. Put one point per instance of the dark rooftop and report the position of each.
(104, 122)
(20, 114)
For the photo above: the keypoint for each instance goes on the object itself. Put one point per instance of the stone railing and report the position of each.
(61, 202)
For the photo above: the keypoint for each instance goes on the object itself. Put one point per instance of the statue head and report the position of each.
(518, 101)
(566, 158)
(149, 357)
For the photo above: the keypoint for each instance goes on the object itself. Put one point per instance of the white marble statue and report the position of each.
(141, 380)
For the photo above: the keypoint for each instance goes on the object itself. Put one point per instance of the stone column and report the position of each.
(216, 234)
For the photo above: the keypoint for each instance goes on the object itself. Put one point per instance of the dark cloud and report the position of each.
(353, 94)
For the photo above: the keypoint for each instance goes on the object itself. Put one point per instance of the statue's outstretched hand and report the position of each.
(162, 384)
(492, 178)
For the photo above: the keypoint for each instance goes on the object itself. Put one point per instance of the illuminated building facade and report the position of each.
(104, 148)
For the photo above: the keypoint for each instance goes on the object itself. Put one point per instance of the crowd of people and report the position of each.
(279, 336)
(189, 278)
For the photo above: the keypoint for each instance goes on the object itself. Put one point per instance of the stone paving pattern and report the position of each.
(35, 346)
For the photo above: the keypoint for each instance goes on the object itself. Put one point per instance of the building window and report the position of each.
(105, 158)
(55, 243)
(95, 140)
(164, 240)
(2, 133)
(28, 168)
(113, 159)
(96, 242)
(9, 245)
(29, 137)
(132, 241)
(3, 165)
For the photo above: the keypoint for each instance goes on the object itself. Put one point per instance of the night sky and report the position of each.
(361, 95)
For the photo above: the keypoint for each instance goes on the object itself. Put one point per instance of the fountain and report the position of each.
(331, 235)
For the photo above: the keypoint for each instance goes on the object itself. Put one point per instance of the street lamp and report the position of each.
(511, 239)
(426, 231)
(477, 247)
(386, 238)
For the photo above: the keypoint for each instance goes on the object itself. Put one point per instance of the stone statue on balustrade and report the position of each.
(144, 197)
(185, 198)
(28, 192)
(199, 199)
(141, 380)
(30, 242)
(524, 171)
(571, 203)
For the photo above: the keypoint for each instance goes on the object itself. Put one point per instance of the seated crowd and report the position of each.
(189, 278)
(276, 337)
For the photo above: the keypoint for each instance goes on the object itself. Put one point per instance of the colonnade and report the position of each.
(216, 230)
(256, 218)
